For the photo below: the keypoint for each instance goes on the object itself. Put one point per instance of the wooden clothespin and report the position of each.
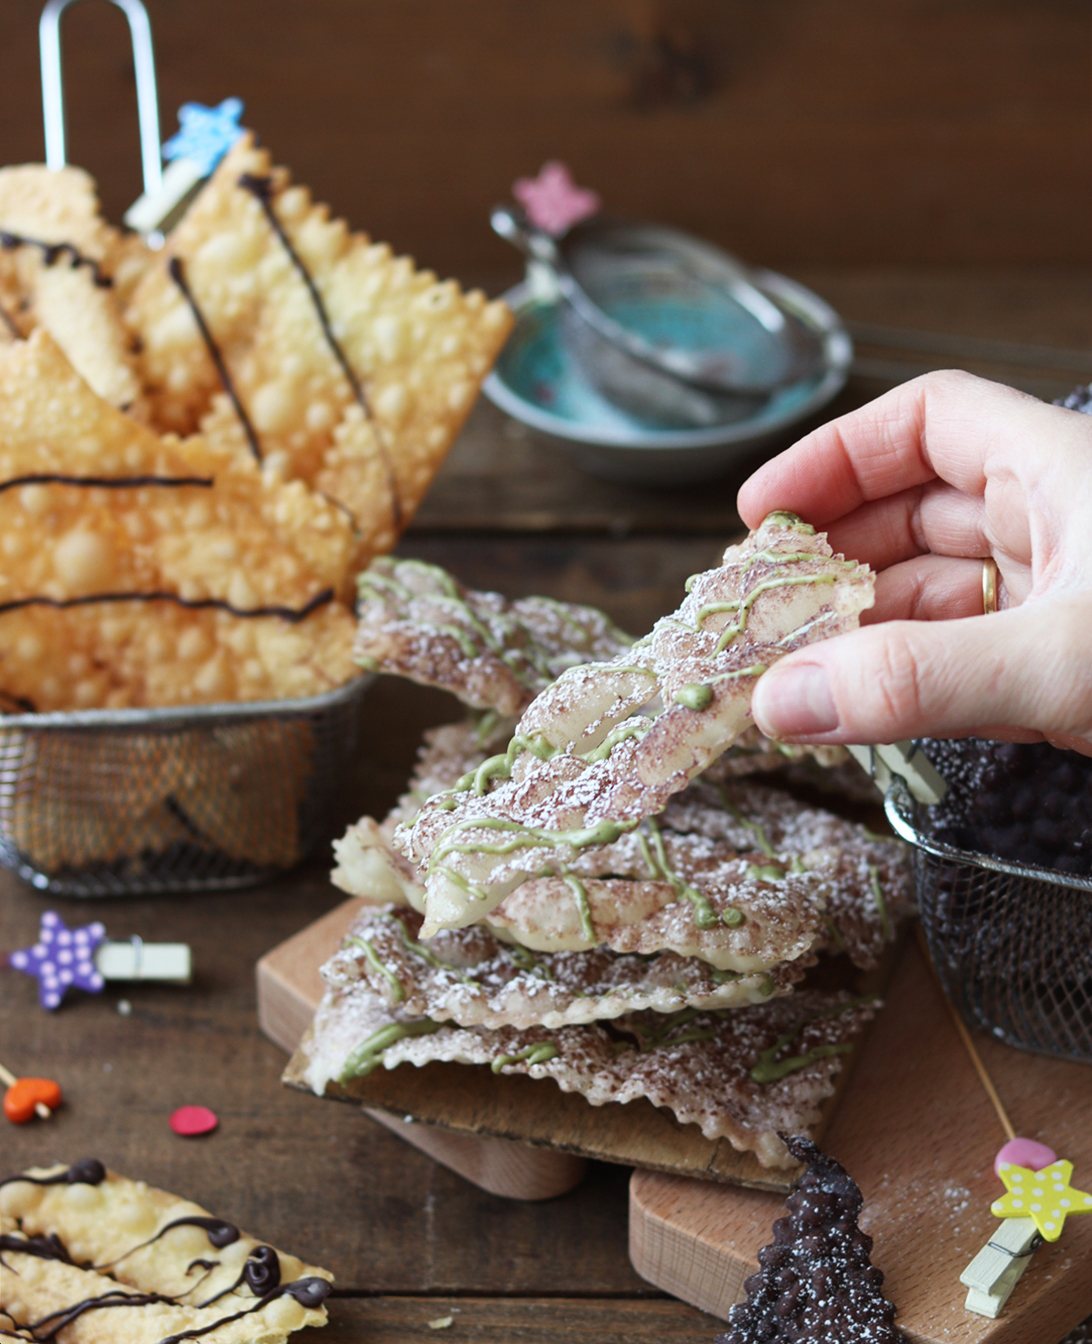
(901, 758)
(995, 1271)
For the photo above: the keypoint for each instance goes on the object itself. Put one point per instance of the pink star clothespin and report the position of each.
(553, 201)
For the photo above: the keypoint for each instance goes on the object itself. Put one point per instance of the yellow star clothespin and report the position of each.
(1046, 1197)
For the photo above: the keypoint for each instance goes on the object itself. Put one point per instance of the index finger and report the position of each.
(940, 425)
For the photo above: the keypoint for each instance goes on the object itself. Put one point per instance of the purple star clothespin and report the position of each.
(553, 201)
(86, 958)
(61, 957)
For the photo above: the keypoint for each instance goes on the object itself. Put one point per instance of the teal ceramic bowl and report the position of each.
(539, 380)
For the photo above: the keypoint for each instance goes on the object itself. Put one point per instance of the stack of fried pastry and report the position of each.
(596, 878)
(200, 446)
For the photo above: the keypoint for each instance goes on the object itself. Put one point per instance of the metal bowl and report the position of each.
(539, 380)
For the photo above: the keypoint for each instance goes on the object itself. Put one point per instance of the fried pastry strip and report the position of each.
(741, 1073)
(416, 621)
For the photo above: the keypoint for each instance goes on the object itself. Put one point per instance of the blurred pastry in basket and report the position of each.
(141, 570)
(272, 328)
(65, 270)
(77, 1239)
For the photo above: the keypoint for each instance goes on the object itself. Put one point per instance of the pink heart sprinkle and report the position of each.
(189, 1121)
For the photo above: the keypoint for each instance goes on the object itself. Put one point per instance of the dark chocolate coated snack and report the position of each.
(816, 1283)
(1027, 802)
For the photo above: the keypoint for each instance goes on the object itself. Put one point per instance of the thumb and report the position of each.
(1029, 668)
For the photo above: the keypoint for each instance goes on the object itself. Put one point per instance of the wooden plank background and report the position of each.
(795, 131)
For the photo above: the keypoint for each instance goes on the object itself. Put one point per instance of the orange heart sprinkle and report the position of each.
(25, 1093)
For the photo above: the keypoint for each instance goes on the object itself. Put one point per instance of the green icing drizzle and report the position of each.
(881, 905)
(835, 937)
(694, 696)
(732, 917)
(770, 1069)
(579, 891)
(604, 832)
(500, 766)
(531, 1054)
(762, 840)
(767, 872)
(659, 865)
(373, 960)
(527, 961)
(744, 605)
(787, 519)
(637, 726)
(368, 1054)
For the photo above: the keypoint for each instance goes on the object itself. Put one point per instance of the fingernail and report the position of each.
(795, 702)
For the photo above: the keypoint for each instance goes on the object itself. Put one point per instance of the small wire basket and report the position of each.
(1012, 944)
(134, 801)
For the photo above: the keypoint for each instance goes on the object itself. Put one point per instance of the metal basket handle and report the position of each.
(49, 39)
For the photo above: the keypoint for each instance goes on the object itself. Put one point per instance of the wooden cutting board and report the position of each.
(919, 1136)
(512, 1135)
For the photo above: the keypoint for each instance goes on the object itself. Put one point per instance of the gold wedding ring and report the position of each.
(989, 586)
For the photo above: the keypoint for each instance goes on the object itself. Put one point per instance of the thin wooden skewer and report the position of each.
(41, 1110)
(965, 1036)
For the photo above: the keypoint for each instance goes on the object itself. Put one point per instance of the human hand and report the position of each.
(923, 484)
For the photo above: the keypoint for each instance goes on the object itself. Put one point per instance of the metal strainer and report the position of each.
(1012, 944)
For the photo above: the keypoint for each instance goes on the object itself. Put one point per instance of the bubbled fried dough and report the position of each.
(119, 1233)
(416, 349)
(91, 503)
(119, 655)
(608, 744)
(416, 621)
(70, 293)
(469, 977)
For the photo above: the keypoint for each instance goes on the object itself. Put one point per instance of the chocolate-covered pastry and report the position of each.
(816, 1282)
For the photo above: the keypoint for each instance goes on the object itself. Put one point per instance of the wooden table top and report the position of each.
(409, 1241)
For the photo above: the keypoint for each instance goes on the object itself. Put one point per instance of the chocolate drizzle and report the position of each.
(9, 322)
(89, 1171)
(16, 704)
(107, 482)
(174, 268)
(294, 616)
(310, 1293)
(261, 1272)
(261, 188)
(53, 252)
(45, 1248)
(219, 1232)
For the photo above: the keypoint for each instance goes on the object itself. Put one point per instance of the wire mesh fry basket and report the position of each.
(127, 802)
(131, 801)
(1012, 943)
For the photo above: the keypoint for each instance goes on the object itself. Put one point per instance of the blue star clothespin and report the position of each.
(85, 958)
(205, 135)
